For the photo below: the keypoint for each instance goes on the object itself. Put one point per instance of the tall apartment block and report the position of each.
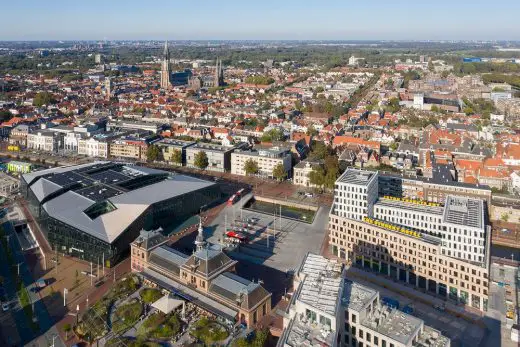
(329, 310)
(441, 248)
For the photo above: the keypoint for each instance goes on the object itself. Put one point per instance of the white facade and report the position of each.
(43, 141)
(266, 160)
(93, 148)
(71, 142)
(355, 194)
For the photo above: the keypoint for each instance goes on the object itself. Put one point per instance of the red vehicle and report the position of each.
(237, 237)
(232, 200)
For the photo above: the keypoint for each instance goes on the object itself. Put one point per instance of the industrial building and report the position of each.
(329, 310)
(93, 211)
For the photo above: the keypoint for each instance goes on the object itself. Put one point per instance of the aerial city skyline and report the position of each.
(260, 174)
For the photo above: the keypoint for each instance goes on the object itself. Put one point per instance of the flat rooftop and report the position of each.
(302, 333)
(356, 296)
(322, 284)
(270, 152)
(357, 177)
(431, 338)
(411, 206)
(464, 211)
(393, 323)
(209, 147)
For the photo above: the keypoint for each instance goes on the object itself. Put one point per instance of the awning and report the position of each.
(167, 304)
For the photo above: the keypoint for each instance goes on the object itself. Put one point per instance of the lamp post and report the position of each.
(77, 313)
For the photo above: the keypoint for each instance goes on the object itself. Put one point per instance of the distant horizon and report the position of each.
(266, 40)
(288, 20)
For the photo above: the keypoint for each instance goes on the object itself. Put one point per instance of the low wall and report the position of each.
(286, 203)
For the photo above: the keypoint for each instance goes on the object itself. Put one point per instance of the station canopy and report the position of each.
(167, 304)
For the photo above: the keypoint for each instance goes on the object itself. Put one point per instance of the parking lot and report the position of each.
(276, 242)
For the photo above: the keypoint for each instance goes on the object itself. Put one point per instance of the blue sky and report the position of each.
(260, 19)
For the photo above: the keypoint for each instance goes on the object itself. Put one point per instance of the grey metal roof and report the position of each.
(69, 207)
(234, 283)
(42, 188)
(170, 255)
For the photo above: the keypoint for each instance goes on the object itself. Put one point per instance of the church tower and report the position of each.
(165, 68)
(108, 88)
(219, 74)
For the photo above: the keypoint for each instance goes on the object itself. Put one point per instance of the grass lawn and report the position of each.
(209, 331)
(150, 295)
(126, 315)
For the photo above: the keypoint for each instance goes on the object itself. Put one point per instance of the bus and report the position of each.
(236, 237)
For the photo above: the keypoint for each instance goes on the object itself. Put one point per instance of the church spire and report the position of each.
(165, 68)
(166, 51)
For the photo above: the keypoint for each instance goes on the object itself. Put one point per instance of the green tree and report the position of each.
(317, 176)
(43, 98)
(504, 217)
(319, 150)
(152, 153)
(201, 160)
(259, 79)
(66, 329)
(332, 171)
(311, 130)
(279, 172)
(5, 115)
(251, 167)
(177, 156)
(393, 105)
(273, 135)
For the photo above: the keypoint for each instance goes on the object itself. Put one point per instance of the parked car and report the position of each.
(5, 307)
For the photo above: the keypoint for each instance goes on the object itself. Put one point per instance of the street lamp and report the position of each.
(77, 313)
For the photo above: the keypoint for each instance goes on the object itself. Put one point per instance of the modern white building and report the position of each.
(266, 159)
(355, 194)
(329, 310)
(459, 223)
(441, 248)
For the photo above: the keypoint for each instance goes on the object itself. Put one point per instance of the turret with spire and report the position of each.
(200, 243)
